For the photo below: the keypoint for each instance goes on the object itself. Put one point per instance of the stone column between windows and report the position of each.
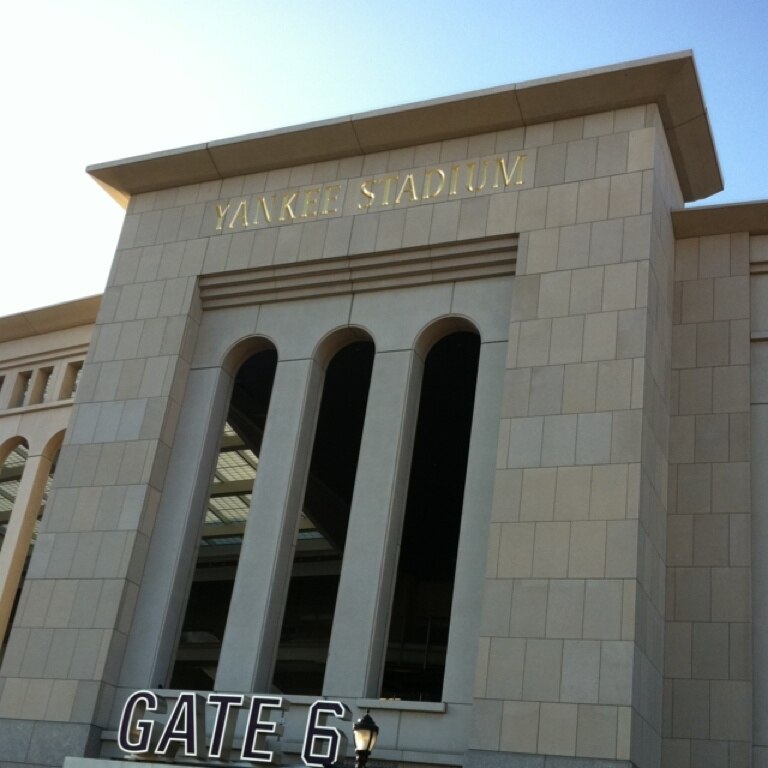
(176, 534)
(255, 612)
(469, 580)
(20, 528)
(359, 634)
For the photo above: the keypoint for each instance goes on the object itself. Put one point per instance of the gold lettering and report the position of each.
(454, 179)
(242, 214)
(221, 213)
(288, 199)
(331, 197)
(311, 200)
(471, 176)
(427, 191)
(409, 186)
(517, 172)
(261, 202)
(387, 181)
(369, 194)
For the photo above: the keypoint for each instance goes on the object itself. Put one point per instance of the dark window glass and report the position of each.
(226, 514)
(309, 610)
(418, 632)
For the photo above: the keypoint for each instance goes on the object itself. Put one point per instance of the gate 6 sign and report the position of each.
(183, 732)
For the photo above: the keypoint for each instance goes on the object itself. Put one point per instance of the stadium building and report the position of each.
(452, 413)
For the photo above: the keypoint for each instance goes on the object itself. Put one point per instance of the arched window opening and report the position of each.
(6, 517)
(226, 515)
(10, 478)
(319, 550)
(418, 631)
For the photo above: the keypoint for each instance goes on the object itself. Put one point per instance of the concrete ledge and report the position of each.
(751, 218)
(669, 81)
(47, 319)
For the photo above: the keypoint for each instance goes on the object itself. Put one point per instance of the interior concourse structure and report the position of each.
(452, 413)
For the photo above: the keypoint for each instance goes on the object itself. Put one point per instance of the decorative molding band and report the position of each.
(72, 353)
(408, 267)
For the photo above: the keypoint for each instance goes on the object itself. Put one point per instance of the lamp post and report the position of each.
(365, 732)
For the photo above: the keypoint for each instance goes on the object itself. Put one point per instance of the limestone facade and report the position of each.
(609, 598)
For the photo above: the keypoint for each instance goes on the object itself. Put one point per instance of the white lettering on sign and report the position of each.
(183, 732)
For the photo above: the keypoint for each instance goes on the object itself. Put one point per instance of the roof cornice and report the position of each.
(669, 81)
(732, 218)
(57, 317)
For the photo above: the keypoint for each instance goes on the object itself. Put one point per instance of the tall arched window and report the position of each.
(319, 550)
(421, 610)
(226, 514)
(10, 478)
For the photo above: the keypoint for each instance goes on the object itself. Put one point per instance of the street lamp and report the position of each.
(365, 732)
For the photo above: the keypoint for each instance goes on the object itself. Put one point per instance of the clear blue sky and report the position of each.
(87, 81)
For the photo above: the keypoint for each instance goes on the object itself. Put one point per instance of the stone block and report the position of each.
(572, 494)
(710, 540)
(731, 710)
(600, 330)
(445, 222)
(566, 340)
(557, 729)
(550, 550)
(505, 668)
(710, 651)
(579, 387)
(692, 594)
(620, 286)
(573, 247)
(497, 599)
(586, 290)
(616, 667)
(516, 550)
(529, 608)
(554, 294)
(586, 556)
(565, 608)
(525, 436)
(731, 298)
(621, 549)
(614, 385)
(731, 594)
(520, 726)
(609, 492)
(581, 159)
(596, 731)
(593, 438)
(533, 342)
(581, 671)
(543, 661)
(625, 195)
(677, 649)
(712, 344)
(538, 494)
(698, 301)
(506, 495)
(603, 600)
(561, 205)
(559, 440)
(542, 243)
(546, 393)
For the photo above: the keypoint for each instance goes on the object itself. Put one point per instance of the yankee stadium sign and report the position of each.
(183, 733)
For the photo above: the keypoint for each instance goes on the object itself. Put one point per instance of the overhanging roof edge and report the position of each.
(669, 80)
